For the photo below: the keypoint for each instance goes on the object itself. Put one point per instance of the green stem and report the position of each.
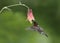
(8, 7)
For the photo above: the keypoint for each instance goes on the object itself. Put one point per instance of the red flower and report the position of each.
(30, 16)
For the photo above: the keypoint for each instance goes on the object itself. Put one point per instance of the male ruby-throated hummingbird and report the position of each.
(35, 25)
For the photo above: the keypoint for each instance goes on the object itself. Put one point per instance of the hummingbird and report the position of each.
(35, 26)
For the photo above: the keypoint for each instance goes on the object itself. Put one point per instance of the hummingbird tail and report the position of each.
(44, 34)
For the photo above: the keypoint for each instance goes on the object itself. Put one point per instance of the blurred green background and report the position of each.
(13, 23)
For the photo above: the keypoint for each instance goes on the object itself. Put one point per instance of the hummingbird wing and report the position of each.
(30, 28)
(38, 29)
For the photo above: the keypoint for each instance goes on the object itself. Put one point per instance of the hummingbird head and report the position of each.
(34, 23)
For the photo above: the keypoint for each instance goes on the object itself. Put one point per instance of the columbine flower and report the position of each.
(30, 16)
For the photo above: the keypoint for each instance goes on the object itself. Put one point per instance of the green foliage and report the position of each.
(13, 23)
